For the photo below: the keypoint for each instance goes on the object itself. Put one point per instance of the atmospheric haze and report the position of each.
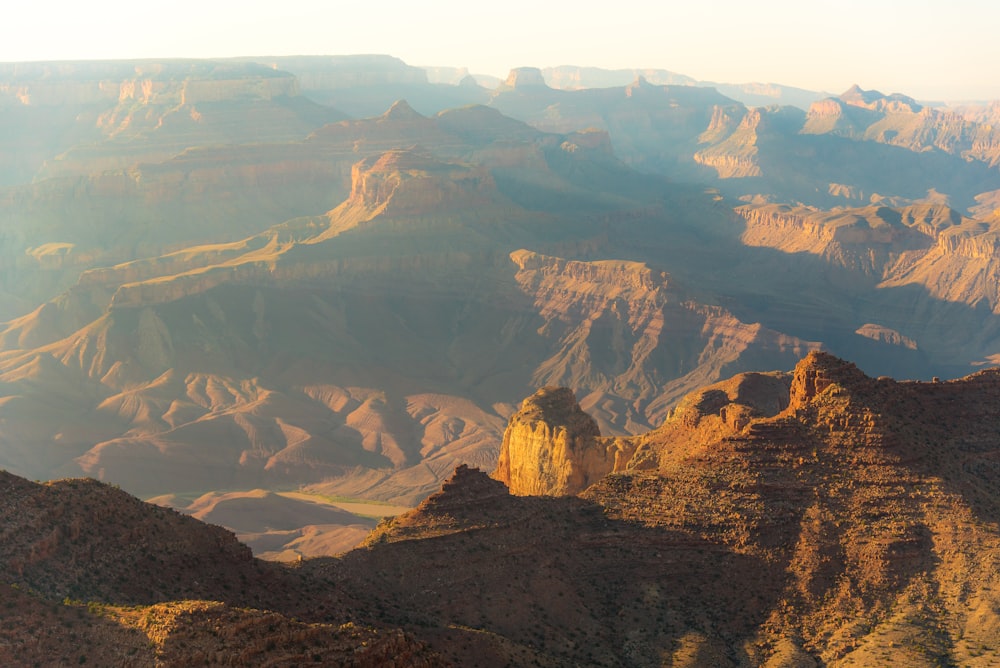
(928, 49)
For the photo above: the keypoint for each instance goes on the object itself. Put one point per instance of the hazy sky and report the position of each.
(928, 49)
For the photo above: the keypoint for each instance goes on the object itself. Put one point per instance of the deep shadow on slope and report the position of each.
(805, 295)
(497, 579)
(800, 167)
(875, 500)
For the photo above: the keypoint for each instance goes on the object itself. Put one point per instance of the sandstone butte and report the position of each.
(552, 447)
(813, 518)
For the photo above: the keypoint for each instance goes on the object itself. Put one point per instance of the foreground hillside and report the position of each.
(819, 517)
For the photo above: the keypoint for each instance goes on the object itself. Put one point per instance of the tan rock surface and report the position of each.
(551, 447)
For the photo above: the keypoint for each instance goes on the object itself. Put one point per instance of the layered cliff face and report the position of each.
(864, 240)
(625, 331)
(463, 261)
(367, 349)
(938, 262)
(898, 120)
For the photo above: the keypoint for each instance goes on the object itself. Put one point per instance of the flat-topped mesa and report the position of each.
(551, 447)
(144, 82)
(524, 78)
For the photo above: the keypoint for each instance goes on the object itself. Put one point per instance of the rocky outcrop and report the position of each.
(877, 101)
(853, 525)
(885, 335)
(815, 373)
(868, 115)
(856, 523)
(551, 447)
(735, 401)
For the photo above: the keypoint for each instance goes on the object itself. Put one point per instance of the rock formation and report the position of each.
(850, 519)
(524, 78)
(897, 119)
(552, 447)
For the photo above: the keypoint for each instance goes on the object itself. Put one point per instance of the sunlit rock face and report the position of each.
(551, 447)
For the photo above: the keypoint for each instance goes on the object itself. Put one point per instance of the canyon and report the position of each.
(340, 276)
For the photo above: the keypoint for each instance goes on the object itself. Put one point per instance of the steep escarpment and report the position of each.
(887, 263)
(862, 240)
(872, 545)
(626, 329)
(898, 120)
